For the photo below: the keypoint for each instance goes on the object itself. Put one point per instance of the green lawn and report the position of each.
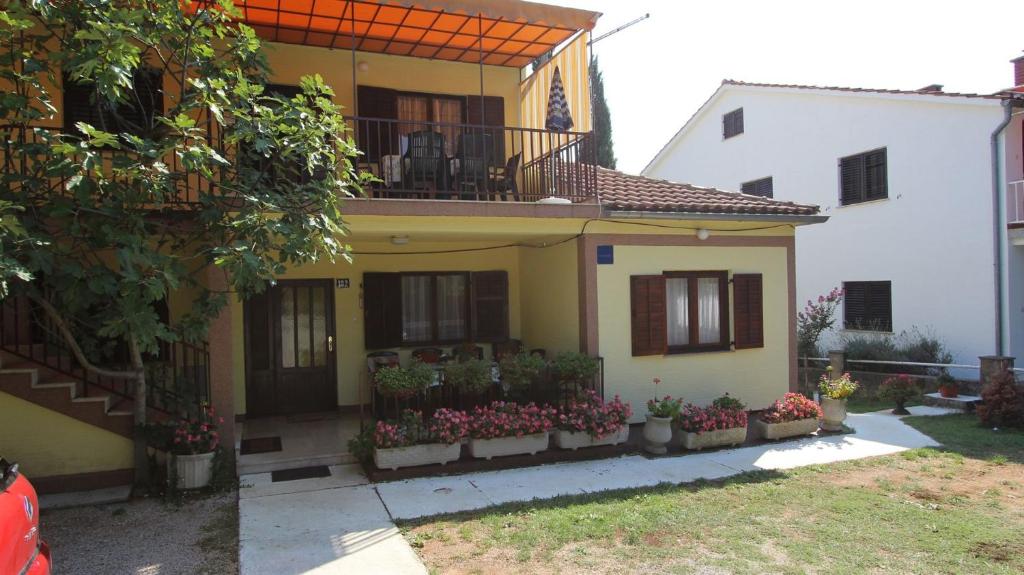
(858, 404)
(951, 510)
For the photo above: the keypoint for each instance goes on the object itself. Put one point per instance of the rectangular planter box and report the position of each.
(425, 454)
(716, 438)
(576, 439)
(488, 448)
(787, 429)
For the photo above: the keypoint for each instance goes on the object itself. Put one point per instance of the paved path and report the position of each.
(343, 525)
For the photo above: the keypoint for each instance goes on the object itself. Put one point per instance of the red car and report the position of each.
(22, 552)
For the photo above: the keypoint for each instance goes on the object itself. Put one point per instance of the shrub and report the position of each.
(664, 407)
(841, 387)
(899, 388)
(719, 415)
(912, 346)
(816, 318)
(198, 436)
(594, 416)
(400, 382)
(471, 376)
(791, 407)
(507, 419)
(574, 367)
(1002, 402)
(520, 370)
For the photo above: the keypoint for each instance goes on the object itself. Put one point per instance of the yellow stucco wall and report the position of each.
(47, 443)
(756, 376)
(550, 297)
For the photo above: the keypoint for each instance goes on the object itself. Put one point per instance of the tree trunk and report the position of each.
(139, 434)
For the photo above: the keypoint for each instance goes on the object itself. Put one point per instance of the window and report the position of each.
(868, 305)
(134, 116)
(418, 308)
(762, 187)
(732, 123)
(681, 312)
(863, 177)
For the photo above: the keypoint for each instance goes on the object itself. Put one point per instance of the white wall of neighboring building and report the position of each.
(1014, 172)
(933, 236)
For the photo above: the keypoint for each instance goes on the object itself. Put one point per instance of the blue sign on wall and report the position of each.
(605, 254)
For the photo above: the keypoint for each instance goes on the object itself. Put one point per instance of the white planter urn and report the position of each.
(657, 433)
(834, 411)
(786, 428)
(412, 455)
(194, 471)
(501, 446)
(716, 438)
(576, 439)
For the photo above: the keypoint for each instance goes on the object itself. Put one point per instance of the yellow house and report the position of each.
(486, 228)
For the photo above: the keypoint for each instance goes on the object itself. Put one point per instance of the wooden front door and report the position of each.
(290, 347)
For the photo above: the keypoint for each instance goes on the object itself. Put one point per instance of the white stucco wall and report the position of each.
(932, 237)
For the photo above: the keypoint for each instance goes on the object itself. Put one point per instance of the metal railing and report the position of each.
(177, 377)
(911, 364)
(1015, 202)
(436, 160)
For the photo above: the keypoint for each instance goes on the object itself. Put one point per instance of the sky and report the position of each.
(659, 71)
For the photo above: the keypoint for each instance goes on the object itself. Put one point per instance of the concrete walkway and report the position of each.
(341, 524)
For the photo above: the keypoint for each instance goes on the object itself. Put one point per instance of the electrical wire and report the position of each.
(581, 233)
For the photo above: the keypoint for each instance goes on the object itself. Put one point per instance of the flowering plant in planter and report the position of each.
(198, 436)
(792, 407)
(447, 426)
(841, 387)
(899, 388)
(594, 416)
(664, 407)
(725, 413)
(507, 419)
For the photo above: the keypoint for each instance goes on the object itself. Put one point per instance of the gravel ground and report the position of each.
(146, 537)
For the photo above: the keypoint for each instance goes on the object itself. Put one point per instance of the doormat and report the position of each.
(307, 417)
(261, 445)
(300, 473)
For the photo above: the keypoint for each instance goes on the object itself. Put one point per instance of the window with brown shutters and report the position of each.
(761, 187)
(748, 310)
(647, 315)
(732, 123)
(382, 310)
(867, 305)
(863, 177)
(135, 116)
(490, 306)
(489, 112)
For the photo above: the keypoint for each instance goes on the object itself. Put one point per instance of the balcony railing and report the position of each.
(1015, 202)
(433, 160)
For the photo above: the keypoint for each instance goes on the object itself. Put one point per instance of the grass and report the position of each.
(862, 403)
(950, 510)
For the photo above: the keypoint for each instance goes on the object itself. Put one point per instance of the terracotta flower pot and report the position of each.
(949, 391)
(657, 433)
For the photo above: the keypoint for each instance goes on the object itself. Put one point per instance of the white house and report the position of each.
(920, 186)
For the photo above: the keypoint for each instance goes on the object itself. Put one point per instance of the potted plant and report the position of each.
(899, 388)
(658, 428)
(404, 382)
(470, 376)
(194, 447)
(724, 422)
(948, 386)
(519, 371)
(507, 428)
(790, 416)
(574, 367)
(834, 393)
(591, 421)
(409, 442)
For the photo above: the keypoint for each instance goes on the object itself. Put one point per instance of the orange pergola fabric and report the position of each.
(500, 32)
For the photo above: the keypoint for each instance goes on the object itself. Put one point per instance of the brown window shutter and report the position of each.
(748, 310)
(490, 305)
(491, 112)
(648, 320)
(382, 310)
(375, 138)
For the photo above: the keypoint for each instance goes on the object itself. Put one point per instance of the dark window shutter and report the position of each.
(732, 123)
(868, 305)
(377, 139)
(854, 305)
(879, 304)
(748, 310)
(648, 320)
(875, 176)
(863, 177)
(852, 179)
(762, 187)
(490, 306)
(490, 112)
(382, 310)
(286, 91)
(135, 116)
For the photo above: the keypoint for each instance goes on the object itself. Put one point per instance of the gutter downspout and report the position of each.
(998, 223)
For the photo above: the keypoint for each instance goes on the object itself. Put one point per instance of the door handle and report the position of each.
(330, 343)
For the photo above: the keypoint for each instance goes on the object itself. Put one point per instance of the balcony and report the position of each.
(442, 161)
(1015, 204)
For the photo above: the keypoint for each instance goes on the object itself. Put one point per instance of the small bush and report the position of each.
(471, 376)
(1002, 402)
(899, 388)
(912, 346)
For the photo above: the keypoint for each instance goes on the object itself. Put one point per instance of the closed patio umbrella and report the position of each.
(559, 119)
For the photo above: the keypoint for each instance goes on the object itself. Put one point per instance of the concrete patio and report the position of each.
(342, 524)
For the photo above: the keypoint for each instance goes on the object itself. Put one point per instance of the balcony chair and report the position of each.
(474, 152)
(468, 351)
(511, 347)
(505, 182)
(431, 355)
(426, 168)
